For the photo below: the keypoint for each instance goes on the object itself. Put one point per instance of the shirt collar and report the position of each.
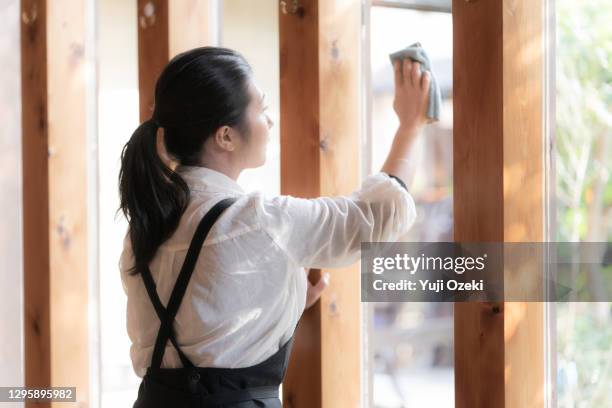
(207, 179)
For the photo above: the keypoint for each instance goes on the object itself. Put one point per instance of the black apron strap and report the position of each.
(165, 329)
(161, 313)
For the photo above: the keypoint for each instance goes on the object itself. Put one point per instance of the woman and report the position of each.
(234, 261)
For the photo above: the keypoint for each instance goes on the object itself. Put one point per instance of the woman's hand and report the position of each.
(411, 93)
(314, 291)
(410, 105)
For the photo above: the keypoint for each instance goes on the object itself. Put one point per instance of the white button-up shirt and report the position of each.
(248, 288)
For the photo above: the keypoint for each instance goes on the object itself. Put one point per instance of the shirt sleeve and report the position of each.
(326, 232)
(399, 180)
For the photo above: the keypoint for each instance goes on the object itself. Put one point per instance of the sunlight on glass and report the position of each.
(117, 118)
(584, 191)
(410, 345)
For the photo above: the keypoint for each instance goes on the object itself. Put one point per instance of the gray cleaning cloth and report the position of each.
(417, 53)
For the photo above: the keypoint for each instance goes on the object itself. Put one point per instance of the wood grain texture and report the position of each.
(153, 50)
(319, 70)
(478, 192)
(300, 177)
(339, 164)
(498, 184)
(66, 70)
(524, 149)
(55, 195)
(34, 142)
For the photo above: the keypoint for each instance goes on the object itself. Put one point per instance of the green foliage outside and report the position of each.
(584, 191)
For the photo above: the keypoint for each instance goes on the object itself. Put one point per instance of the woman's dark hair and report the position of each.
(197, 92)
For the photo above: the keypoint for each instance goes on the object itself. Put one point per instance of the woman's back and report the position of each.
(243, 299)
(248, 289)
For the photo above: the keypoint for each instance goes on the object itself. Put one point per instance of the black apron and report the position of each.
(203, 387)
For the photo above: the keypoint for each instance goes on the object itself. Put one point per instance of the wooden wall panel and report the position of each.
(36, 255)
(153, 50)
(498, 184)
(300, 177)
(319, 70)
(55, 195)
(523, 181)
(339, 169)
(477, 173)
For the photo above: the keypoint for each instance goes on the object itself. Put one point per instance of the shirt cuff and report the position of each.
(398, 180)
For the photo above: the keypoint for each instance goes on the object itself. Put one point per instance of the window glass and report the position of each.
(118, 116)
(409, 347)
(251, 28)
(11, 236)
(582, 332)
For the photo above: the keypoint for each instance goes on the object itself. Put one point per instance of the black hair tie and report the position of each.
(153, 120)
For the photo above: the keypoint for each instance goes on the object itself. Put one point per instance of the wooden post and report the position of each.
(55, 195)
(498, 184)
(319, 109)
(166, 28)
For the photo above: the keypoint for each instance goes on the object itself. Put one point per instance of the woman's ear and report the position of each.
(225, 138)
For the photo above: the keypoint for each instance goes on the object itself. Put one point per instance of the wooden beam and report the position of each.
(36, 274)
(300, 176)
(498, 153)
(319, 126)
(55, 195)
(524, 200)
(166, 28)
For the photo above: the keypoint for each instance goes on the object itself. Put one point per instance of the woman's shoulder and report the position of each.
(240, 217)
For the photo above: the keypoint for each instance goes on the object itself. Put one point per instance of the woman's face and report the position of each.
(253, 147)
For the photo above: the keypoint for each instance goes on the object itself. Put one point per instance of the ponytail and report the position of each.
(152, 196)
(196, 93)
